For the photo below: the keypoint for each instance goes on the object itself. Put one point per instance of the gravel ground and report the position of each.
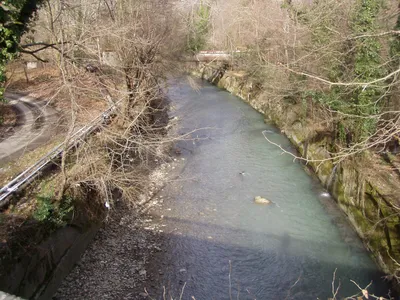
(114, 266)
(117, 264)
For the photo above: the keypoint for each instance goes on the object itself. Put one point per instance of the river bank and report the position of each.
(206, 238)
(43, 236)
(37, 271)
(115, 265)
(119, 262)
(369, 199)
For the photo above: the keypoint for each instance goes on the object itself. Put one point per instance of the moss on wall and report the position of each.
(367, 198)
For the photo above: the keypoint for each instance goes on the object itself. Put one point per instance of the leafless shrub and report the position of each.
(127, 48)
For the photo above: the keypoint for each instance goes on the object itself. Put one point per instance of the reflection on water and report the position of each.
(213, 220)
(325, 194)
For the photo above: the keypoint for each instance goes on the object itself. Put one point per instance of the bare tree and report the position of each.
(119, 52)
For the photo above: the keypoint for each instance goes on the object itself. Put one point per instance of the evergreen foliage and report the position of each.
(361, 63)
(199, 28)
(14, 19)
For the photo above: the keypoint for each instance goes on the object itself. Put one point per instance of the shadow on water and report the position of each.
(212, 220)
(202, 264)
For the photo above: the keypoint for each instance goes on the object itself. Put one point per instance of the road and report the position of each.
(37, 118)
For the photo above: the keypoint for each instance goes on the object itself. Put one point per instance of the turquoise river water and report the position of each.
(220, 244)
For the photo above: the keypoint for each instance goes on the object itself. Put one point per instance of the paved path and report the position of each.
(38, 121)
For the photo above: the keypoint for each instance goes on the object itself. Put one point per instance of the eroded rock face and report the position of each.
(369, 199)
(261, 200)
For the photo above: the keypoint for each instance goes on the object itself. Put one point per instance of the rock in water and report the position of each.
(261, 200)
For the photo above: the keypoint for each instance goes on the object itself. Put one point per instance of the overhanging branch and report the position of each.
(24, 49)
(331, 83)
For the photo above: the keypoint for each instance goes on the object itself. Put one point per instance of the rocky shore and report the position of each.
(115, 264)
(119, 263)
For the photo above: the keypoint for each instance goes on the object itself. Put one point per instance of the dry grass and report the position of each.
(12, 169)
(8, 119)
(45, 84)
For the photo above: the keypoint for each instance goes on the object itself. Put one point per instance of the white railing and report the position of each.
(33, 171)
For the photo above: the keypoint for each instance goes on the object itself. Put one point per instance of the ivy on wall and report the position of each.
(360, 61)
(367, 65)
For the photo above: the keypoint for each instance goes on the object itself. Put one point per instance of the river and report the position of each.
(206, 237)
(219, 243)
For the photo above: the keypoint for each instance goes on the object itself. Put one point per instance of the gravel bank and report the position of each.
(114, 266)
(118, 263)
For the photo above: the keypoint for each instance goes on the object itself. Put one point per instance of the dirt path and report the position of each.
(38, 120)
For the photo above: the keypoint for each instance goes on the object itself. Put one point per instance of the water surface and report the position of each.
(216, 232)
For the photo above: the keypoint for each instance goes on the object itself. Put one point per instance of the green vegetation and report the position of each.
(52, 212)
(329, 77)
(367, 66)
(358, 60)
(395, 45)
(14, 18)
(199, 28)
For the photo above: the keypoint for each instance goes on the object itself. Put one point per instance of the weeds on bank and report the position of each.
(55, 214)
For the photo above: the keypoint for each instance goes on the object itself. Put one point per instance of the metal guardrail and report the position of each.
(5, 296)
(33, 171)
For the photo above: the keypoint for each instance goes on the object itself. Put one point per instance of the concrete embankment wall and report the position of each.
(40, 271)
(367, 196)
